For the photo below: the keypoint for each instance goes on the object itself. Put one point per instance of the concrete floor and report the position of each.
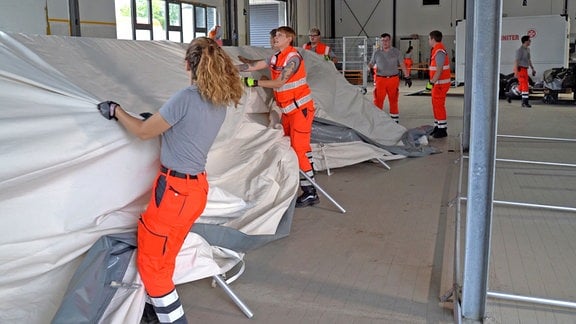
(390, 257)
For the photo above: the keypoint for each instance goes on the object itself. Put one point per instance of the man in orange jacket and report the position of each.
(294, 98)
(439, 72)
(316, 46)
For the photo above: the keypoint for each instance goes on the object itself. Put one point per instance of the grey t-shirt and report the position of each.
(523, 56)
(387, 62)
(195, 124)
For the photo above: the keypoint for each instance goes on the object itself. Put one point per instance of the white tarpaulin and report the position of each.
(69, 177)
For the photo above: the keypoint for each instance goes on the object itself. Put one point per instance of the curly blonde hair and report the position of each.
(213, 71)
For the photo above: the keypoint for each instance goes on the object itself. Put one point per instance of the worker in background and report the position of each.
(216, 34)
(521, 64)
(408, 60)
(315, 45)
(294, 98)
(272, 35)
(387, 59)
(439, 72)
(188, 124)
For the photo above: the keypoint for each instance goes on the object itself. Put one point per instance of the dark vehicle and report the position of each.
(509, 84)
(559, 80)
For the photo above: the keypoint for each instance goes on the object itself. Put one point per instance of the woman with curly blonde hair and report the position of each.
(188, 124)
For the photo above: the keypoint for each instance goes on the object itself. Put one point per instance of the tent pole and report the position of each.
(383, 163)
(322, 191)
(232, 295)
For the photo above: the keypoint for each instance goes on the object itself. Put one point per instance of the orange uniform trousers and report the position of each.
(523, 78)
(298, 125)
(387, 86)
(438, 94)
(408, 62)
(175, 205)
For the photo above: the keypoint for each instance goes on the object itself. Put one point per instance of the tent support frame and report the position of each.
(322, 191)
(222, 283)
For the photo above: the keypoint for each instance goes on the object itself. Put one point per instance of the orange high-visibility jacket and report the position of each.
(321, 48)
(295, 92)
(445, 73)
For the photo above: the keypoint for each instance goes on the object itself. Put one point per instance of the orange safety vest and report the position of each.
(321, 48)
(445, 74)
(295, 92)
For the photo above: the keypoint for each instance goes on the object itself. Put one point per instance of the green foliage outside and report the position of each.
(158, 12)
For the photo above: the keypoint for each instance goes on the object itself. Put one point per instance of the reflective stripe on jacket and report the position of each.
(295, 92)
(445, 74)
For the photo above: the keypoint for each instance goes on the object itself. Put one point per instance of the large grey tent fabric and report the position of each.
(70, 177)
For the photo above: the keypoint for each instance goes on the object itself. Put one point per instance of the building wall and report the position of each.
(352, 17)
(372, 18)
(14, 17)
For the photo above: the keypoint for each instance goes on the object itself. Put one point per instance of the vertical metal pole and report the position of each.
(468, 75)
(486, 49)
(74, 14)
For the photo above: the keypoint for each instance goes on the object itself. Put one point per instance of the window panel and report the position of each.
(142, 34)
(200, 17)
(164, 19)
(142, 12)
(174, 10)
(187, 23)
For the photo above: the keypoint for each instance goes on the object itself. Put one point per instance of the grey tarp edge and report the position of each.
(238, 241)
(89, 291)
(326, 131)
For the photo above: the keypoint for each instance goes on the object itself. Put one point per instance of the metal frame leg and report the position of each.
(222, 283)
(322, 191)
(383, 163)
(325, 159)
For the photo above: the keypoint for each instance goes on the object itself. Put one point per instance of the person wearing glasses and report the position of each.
(316, 46)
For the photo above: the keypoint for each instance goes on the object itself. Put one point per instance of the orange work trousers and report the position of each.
(298, 125)
(523, 78)
(387, 86)
(408, 62)
(438, 94)
(175, 205)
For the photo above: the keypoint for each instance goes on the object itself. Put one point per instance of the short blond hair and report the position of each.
(314, 31)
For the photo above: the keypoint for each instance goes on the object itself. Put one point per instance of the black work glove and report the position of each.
(146, 115)
(108, 109)
(408, 81)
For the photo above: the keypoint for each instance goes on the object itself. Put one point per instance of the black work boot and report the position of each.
(308, 197)
(434, 131)
(149, 316)
(525, 103)
(441, 132)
